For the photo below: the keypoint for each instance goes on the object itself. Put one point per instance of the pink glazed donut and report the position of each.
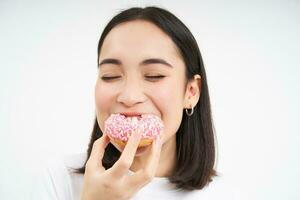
(119, 128)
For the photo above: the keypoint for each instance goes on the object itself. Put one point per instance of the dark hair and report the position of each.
(195, 145)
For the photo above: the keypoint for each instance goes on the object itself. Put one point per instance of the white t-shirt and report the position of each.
(56, 182)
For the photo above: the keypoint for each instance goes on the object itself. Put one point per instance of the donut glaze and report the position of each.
(119, 128)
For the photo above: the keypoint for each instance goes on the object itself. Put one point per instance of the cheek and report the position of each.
(103, 101)
(101, 97)
(169, 100)
(170, 103)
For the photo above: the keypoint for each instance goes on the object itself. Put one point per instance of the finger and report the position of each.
(144, 176)
(154, 155)
(122, 166)
(95, 160)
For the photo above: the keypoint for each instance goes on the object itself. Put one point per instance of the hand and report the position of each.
(115, 183)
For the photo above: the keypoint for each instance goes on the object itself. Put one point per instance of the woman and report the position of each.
(148, 63)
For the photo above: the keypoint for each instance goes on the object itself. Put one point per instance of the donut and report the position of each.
(119, 128)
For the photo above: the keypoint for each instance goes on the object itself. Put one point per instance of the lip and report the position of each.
(131, 114)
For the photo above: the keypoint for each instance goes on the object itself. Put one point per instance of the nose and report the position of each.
(131, 93)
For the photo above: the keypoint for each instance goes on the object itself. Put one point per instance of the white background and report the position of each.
(251, 53)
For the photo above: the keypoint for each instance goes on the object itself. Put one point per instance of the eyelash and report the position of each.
(155, 77)
(108, 78)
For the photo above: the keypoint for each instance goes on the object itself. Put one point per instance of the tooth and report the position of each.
(134, 119)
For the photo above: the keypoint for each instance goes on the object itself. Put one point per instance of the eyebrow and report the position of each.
(144, 62)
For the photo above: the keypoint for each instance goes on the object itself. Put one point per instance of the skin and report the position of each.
(133, 89)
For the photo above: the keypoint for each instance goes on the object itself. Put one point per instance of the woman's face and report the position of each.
(141, 71)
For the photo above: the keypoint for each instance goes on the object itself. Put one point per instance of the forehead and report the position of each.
(138, 40)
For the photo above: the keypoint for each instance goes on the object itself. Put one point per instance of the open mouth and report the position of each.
(132, 116)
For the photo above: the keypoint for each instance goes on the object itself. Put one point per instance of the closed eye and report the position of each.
(107, 78)
(154, 77)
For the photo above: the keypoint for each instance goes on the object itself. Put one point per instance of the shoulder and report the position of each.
(222, 187)
(160, 188)
(60, 167)
(219, 188)
(55, 179)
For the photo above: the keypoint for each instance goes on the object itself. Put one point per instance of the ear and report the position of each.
(193, 91)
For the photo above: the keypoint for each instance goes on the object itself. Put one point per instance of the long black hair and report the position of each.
(195, 139)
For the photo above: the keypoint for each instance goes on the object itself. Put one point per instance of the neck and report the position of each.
(167, 161)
